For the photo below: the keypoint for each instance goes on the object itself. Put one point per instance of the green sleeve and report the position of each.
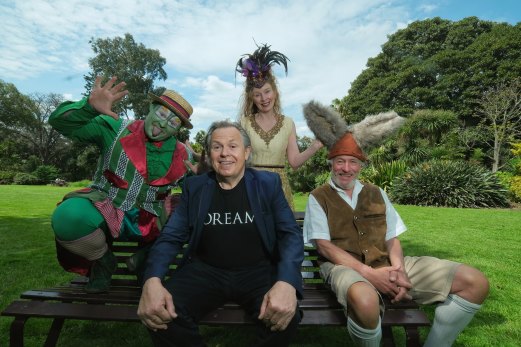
(80, 122)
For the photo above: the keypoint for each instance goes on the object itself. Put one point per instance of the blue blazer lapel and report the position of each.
(256, 197)
(202, 204)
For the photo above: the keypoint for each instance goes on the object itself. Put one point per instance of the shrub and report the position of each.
(304, 178)
(321, 178)
(31, 163)
(504, 177)
(25, 178)
(477, 156)
(6, 177)
(512, 183)
(449, 184)
(383, 174)
(46, 173)
(515, 163)
(515, 188)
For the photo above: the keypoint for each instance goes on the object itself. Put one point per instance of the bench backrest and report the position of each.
(124, 277)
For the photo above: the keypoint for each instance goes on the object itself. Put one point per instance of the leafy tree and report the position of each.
(131, 62)
(24, 128)
(470, 140)
(501, 110)
(428, 134)
(494, 57)
(182, 134)
(435, 64)
(199, 137)
(13, 152)
(46, 173)
(304, 178)
(79, 161)
(445, 67)
(43, 140)
(15, 108)
(198, 145)
(425, 135)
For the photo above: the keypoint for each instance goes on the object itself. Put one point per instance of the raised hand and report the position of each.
(103, 97)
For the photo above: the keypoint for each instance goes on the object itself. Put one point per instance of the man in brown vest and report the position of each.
(355, 229)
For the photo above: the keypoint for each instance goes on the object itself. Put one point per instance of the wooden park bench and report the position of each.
(70, 301)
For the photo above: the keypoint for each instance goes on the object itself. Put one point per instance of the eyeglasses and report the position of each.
(173, 121)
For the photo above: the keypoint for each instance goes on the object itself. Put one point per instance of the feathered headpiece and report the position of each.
(256, 67)
(328, 126)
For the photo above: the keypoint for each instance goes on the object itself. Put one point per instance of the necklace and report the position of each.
(267, 136)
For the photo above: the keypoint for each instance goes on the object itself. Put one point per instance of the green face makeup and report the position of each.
(161, 123)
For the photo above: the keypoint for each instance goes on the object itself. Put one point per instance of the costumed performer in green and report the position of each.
(130, 194)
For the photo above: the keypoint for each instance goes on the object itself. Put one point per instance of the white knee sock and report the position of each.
(450, 318)
(364, 337)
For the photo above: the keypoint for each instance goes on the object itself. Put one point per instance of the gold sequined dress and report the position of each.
(269, 148)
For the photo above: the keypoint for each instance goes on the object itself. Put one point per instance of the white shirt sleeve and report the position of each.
(315, 222)
(317, 228)
(395, 224)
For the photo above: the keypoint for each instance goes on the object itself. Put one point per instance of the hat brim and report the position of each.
(158, 100)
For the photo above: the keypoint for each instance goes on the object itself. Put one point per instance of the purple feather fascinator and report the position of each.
(256, 67)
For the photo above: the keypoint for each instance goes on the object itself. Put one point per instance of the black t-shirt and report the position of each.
(230, 238)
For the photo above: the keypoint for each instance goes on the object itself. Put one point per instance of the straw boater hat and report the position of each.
(340, 139)
(175, 103)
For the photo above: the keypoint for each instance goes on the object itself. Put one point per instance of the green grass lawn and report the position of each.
(487, 239)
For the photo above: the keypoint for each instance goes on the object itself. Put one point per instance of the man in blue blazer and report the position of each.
(243, 245)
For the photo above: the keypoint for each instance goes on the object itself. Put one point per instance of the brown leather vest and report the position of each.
(361, 231)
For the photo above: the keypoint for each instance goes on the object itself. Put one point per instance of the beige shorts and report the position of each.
(431, 278)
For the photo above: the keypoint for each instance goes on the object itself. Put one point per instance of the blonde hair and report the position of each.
(248, 107)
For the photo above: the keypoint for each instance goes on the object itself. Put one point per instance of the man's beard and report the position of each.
(350, 185)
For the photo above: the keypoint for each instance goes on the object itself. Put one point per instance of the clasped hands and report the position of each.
(391, 281)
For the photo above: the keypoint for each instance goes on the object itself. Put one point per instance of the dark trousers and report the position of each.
(198, 288)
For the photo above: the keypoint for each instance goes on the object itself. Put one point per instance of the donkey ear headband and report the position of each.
(328, 126)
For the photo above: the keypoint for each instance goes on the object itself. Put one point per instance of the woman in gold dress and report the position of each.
(273, 135)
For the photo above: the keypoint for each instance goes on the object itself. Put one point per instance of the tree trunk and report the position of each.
(495, 164)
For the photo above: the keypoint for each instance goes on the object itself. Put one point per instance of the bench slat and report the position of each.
(228, 315)
(313, 298)
(115, 297)
(70, 301)
(48, 309)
